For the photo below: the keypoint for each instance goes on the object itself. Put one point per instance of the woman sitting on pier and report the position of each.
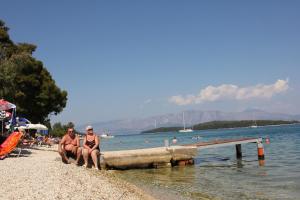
(91, 147)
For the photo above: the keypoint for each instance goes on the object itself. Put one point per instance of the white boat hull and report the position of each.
(186, 131)
(106, 136)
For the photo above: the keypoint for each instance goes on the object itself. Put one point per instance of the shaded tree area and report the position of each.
(25, 81)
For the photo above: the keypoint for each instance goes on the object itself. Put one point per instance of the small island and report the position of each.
(224, 124)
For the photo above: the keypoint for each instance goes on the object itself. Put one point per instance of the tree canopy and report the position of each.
(26, 82)
(59, 130)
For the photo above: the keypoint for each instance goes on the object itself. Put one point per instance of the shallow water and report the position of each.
(217, 173)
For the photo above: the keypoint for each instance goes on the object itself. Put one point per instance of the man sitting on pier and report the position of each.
(69, 146)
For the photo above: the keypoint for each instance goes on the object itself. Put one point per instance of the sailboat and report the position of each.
(254, 125)
(185, 130)
(106, 134)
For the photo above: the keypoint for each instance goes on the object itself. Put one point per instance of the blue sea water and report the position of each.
(217, 173)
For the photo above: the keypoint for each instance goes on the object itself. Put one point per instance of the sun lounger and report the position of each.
(10, 143)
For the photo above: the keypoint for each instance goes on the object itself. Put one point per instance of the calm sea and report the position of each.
(217, 173)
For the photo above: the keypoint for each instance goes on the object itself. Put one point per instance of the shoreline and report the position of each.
(40, 174)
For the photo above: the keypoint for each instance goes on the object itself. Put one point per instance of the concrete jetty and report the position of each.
(147, 158)
(222, 143)
(165, 156)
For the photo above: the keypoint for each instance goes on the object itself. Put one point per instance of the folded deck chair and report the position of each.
(10, 143)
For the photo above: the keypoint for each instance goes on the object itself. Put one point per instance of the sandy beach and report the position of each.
(40, 174)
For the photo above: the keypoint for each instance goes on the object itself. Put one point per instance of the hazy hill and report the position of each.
(224, 124)
(191, 117)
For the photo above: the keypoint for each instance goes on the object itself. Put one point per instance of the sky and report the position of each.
(134, 59)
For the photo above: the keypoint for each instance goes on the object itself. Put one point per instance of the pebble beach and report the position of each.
(40, 174)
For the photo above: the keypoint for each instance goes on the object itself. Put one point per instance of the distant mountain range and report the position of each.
(191, 117)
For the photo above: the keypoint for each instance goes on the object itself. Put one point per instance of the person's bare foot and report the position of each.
(76, 163)
(66, 161)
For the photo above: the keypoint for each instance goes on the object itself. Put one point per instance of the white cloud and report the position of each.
(228, 91)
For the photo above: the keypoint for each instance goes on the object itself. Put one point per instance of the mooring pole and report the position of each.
(260, 151)
(238, 148)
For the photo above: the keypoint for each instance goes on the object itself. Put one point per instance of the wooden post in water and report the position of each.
(238, 148)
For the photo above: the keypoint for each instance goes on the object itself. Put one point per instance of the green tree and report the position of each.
(26, 82)
(58, 129)
(70, 125)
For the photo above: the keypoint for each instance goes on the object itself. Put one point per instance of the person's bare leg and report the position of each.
(94, 156)
(78, 155)
(85, 154)
(64, 158)
(74, 150)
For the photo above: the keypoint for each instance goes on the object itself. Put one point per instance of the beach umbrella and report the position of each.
(44, 132)
(7, 110)
(5, 105)
(36, 126)
(41, 127)
(21, 121)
